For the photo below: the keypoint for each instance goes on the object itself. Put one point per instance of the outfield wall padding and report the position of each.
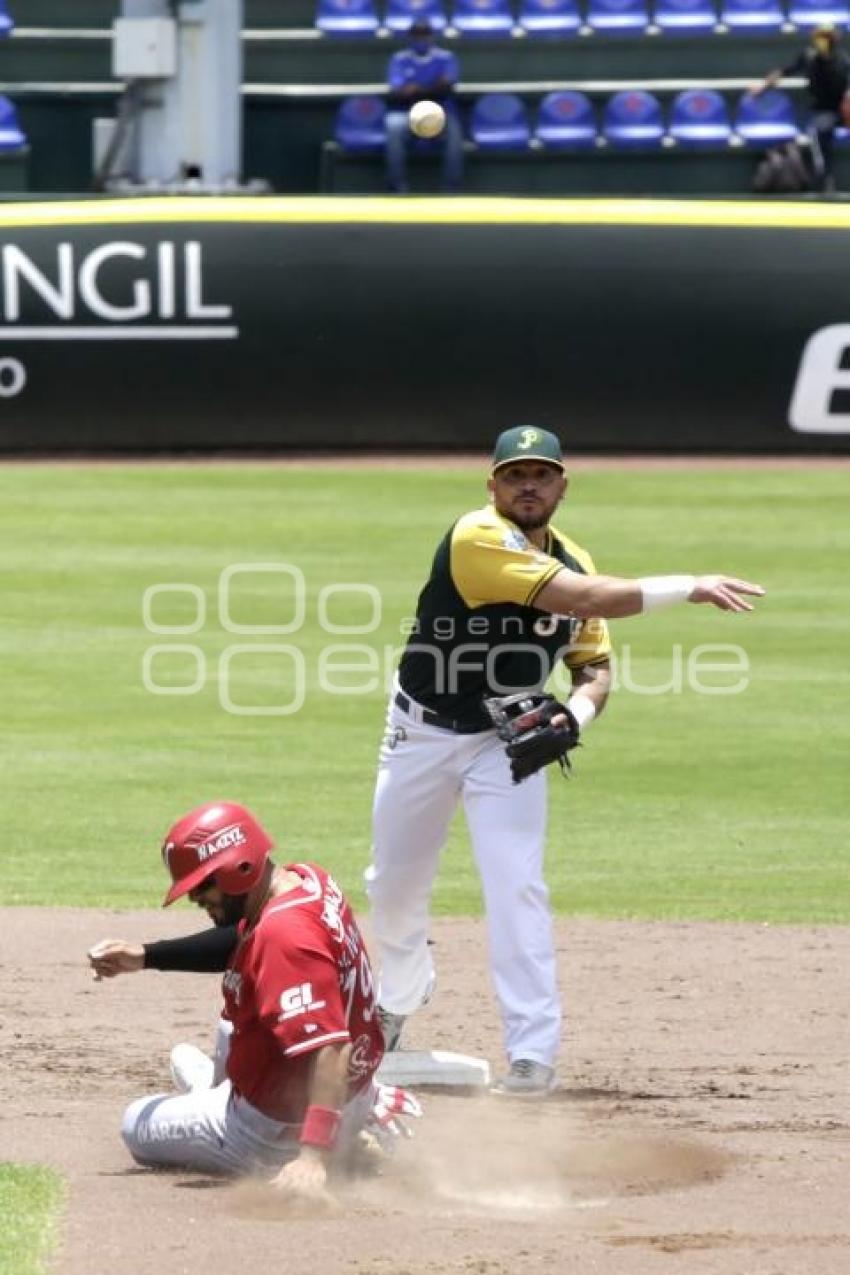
(430, 324)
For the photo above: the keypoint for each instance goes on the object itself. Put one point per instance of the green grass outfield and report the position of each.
(29, 1201)
(683, 804)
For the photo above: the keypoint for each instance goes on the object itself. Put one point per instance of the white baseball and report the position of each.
(427, 119)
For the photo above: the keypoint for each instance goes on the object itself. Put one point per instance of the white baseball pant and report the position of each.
(422, 774)
(218, 1131)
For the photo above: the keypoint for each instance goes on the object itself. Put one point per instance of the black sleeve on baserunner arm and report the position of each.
(204, 953)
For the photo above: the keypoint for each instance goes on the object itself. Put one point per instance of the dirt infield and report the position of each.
(702, 1124)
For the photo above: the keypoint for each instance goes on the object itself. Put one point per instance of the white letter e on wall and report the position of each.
(819, 376)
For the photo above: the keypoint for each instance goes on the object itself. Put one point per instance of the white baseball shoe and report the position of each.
(526, 1079)
(191, 1069)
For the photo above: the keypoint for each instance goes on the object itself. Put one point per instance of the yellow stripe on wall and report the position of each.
(468, 211)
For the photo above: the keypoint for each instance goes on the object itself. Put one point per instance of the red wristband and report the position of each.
(320, 1127)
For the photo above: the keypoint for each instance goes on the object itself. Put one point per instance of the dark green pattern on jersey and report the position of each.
(444, 665)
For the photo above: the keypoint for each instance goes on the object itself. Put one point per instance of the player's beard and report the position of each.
(534, 520)
(232, 910)
(531, 523)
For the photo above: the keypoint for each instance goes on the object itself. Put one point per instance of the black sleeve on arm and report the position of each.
(800, 66)
(204, 953)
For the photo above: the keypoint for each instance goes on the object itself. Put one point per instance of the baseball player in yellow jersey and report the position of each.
(508, 597)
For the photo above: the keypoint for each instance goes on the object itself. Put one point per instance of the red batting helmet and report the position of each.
(219, 838)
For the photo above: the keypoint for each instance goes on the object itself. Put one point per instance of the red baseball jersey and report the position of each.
(300, 979)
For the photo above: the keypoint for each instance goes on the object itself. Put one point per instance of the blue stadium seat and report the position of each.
(487, 18)
(686, 17)
(819, 13)
(7, 23)
(617, 17)
(755, 17)
(766, 119)
(500, 122)
(400, 14)
(347, 17)
(360, 124)
(566, 120)
(543, 18)
(700, 118)
(633, 119)
(12, 137)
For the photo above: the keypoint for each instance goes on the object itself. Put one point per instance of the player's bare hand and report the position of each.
(115, 956)
(305, 1181)
(725, 592)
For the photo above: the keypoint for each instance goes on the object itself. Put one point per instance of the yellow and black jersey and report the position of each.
(477, 629)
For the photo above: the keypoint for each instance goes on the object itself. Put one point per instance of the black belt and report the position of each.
(436, 719)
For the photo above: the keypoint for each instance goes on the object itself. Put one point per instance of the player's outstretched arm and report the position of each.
(611, 597)
(305, 1178)
(115, 956)
(727, 593)
(206, 952)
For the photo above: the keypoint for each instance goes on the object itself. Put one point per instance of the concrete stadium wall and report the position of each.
(180, 324)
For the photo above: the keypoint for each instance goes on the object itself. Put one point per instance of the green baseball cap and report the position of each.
(526, 442)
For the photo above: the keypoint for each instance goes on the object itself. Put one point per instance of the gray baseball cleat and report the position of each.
(526, 1079)
(391, 1026)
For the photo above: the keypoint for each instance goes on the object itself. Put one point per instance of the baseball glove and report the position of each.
(524, 722)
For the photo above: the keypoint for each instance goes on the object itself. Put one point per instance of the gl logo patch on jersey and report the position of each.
(514, 540)
(529, 438)
(298, 1000)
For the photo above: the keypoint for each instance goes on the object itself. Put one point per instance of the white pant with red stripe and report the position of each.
(423, 773)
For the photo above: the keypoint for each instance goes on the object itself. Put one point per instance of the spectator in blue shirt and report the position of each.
(422, 72)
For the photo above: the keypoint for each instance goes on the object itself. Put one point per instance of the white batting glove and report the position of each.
(391, 1108)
